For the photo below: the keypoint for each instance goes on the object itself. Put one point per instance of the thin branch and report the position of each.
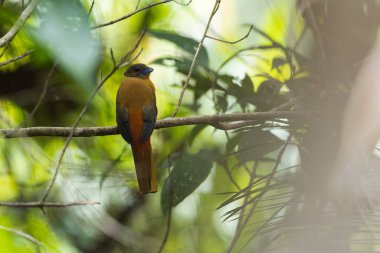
(81, 114)
(19, 23)
(16, 58)
(214, 10)
(112, 57)
(42, 96)
(163, 123)
(22, 234)
(91, 8)
(129, 15)
(38, 204)
(137, 5)
(186, 4)
(233, 42)
(4, 50)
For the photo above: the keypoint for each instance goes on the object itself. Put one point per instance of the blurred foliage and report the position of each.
(229, 190)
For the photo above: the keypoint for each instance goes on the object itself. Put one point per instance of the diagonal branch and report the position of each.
(212, 120)
(19, 57)
(42, 96)
(214, 10)
(130, 14)
(22, 234)
(19, 23)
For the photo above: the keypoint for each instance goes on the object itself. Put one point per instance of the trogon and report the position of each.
(136, 114)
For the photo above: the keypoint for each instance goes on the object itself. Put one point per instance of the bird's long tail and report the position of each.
(145, 170)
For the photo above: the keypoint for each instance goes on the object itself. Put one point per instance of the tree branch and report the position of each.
(212, 120)
(42, 95)
(22, 234)
(16, 58)
(38, 204)
(19, 23)
(129, 15)
(214, 10)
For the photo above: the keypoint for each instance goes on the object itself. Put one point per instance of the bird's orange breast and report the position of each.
(135, 92)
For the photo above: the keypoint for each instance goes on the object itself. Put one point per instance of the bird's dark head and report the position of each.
(138, 70)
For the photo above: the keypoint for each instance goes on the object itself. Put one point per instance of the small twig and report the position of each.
(112, 57)
(228, 172)
(233, 42)
(4, 50)
(137, 5)
(81, 114)
(91, 8)
(22, 234)
(163, 123)
(19, 23)
(129, 15)
(214, 10)
(42, 96)
(38, 204)
(16, 58)
(186, 4)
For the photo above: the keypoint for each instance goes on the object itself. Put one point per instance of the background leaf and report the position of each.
(65, 33)
(187, 44)
(189, 171)
(256, 143)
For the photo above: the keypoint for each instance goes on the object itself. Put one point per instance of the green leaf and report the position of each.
(247, 85)
(189, 171)
(189, 45)
(221, 102)
(256, 143)
(278, 62)
(298, 85)
(232, 143)
(194, 132)
(182, 65)
(268, 95)
(65, 34)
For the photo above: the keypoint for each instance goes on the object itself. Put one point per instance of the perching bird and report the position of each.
(136, 114)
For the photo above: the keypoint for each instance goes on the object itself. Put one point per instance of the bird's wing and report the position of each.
(122, 119)
(149, 119)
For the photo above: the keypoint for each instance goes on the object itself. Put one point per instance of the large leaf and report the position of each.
(189, 45)
(256, 143)
(200, 76)
(189, 171)
(65, 34)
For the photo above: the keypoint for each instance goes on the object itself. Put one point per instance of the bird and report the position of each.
(136, 115)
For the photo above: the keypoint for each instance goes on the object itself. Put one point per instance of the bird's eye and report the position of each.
(137, 69)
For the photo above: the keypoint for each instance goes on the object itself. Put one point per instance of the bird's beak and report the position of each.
(149, 69)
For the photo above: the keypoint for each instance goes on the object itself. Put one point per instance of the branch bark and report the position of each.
(213, 120)
(39, 204)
